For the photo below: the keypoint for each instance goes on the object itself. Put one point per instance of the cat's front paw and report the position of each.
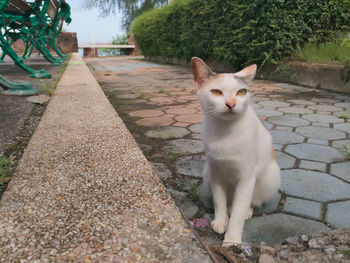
(219, 225)
(228, 243)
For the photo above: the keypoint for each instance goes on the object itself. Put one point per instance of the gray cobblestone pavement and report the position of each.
(310, 129)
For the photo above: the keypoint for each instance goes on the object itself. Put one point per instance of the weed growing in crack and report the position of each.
(345, 151)
(140, 94)
(344, 116)
(193, 193)
(50, 87)
(5, 173)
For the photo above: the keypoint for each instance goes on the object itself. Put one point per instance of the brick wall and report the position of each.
(69, 43)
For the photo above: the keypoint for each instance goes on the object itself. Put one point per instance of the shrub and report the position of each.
(239, 32)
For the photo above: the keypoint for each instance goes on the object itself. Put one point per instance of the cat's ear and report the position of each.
(247, 74)
(201, 71)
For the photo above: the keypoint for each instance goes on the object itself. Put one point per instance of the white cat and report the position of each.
(240, 165)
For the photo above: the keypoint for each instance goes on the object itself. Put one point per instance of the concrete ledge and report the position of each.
(84, 192)
(318, 76)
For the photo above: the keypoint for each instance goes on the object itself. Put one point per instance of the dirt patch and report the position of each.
(18, 117)
(15, 148)
(333, 247)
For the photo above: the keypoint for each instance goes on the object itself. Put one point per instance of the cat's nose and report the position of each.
(230, 104)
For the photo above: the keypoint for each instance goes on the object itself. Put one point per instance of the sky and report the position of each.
(92, 27)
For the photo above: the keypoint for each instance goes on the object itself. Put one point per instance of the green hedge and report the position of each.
(239, 32)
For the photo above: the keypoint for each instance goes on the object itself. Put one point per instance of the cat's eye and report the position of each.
(216, 92)
(241, 92)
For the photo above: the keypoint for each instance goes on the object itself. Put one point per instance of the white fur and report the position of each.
(239, 165)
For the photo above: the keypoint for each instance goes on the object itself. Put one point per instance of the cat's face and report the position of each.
(223, 96)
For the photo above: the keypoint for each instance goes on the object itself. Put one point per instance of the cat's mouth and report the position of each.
(229, 111)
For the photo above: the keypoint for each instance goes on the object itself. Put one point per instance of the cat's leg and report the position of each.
(267, 185)
(229, 206)
(240, 208)
(219, 224)
(250, 212)
(229, 196)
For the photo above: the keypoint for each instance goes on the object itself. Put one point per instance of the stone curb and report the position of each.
(84, 192)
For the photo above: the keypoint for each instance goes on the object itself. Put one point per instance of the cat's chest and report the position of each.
(226, 148)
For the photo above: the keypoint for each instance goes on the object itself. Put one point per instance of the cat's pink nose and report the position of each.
(230, 104)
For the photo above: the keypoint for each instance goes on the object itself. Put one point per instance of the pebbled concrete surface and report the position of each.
(84, 192)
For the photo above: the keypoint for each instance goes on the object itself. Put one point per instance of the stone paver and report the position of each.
(268, 207)
(268, 113)
(191, 165)
(183, 146)
(303, 207)
(341, 144)
(190, 118)
(273, 229)
(342, 170)
(322, 118)
(284, 160)
(295, 110)
(320, 133)
(314, 152)
(301, 102)
(167, 133)
(161, 170)
(338, 214)
(196, 128)
(311, 165)
(324, 108)
(146, 113)
(343, 105)
(286, 137)
(317, 141)
(156, 121)
(273, 104)
(304, 125)
(314, 185)
(345, 127)
(189, 208)
(288, 121)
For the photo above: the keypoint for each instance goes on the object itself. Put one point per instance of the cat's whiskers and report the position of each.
(213, 111)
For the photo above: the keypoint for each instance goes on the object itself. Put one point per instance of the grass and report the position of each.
(161, 91)
(337, 52)
(5, 173)
(50, 87)
(345, 151)
(140, 94)
(344, 116)
(193, 193)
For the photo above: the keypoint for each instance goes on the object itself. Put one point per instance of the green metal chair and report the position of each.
(17, 19)
(13, 88)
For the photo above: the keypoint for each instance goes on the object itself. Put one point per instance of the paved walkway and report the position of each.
(159, 106)
(83, 191)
